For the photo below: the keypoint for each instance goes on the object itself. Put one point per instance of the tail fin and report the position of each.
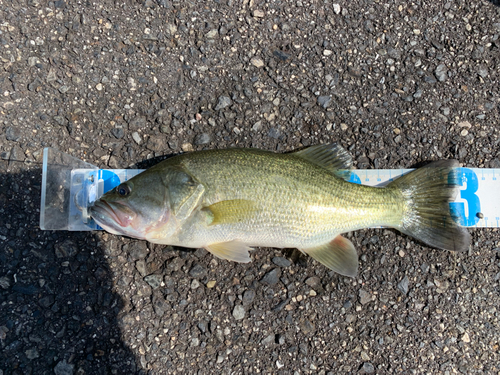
(428, 190)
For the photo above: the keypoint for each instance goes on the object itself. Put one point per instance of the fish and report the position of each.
(230, 201)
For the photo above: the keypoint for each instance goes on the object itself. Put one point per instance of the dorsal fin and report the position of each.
(331, 157)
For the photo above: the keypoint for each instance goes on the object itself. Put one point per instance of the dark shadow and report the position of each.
(495, 2)
(59, 313)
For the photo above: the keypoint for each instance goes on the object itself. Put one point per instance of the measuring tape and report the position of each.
(475, 205)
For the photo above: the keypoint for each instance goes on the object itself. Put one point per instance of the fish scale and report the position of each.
(285, 188)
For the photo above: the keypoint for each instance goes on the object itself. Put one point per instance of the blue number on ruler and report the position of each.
(466, 177)
(354, 178)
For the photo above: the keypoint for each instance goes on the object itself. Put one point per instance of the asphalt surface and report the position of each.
(120, 84)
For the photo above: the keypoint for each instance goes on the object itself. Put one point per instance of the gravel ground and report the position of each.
(121, 83)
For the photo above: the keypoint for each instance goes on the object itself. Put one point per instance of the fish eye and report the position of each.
(123, 190)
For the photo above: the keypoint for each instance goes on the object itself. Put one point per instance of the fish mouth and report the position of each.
(111, 216)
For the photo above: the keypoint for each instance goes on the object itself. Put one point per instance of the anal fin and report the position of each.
(232, 250)
(339, 255)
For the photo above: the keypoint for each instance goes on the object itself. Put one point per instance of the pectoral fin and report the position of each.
(232, 250)
(232, 211)
(339, 255)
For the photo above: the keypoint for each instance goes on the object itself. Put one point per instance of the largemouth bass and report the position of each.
(228, 201)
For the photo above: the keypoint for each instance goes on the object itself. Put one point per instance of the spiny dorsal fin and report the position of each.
(331, 157)
(232, 211)
(339, 255)
(232, 250)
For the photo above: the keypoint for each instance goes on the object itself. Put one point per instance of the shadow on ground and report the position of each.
(59, 313)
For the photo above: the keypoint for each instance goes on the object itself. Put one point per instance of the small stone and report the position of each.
(211, 284)
(32, 353)
(268, 340)
(349, 318)
(257, 126)
(464, 132)
(212, 34)
(307, 327)
(239, 312)
(4, 282)
(403, 285)
(137, 138)
(364, 297)
(66, 248)
(441, 72)
(118, 132)
(327, 52)
(202, 139)
(187, 147)
(248, 296)
(99, 87)
(12, 134)
(258, 13)
(224, 101)
(136, 250)
(272, 277)
(281, 262)
(364, 356)
(195, 284)
(368, 368)
(140, 265)
(154, 280)
(198, 271)
(416, 31)
(466, 338)
(324, 101)
(336, 8)
(8, 105)
(482, 71)
(64, 368)
(257, 62)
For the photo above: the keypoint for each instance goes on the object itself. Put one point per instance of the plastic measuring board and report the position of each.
(477, 204)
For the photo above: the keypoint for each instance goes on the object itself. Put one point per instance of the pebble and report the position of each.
(118, 132)
(368, 368)
(327, 52)
(202, 139)
(336, 8)
(187, 147)
(281, 262)
(268, 340)
(224, 102)
(12, 134)
(272, 277)
(248, 296)
(257, 62)
(198, 271)
(307, 327)
(466, 338)
(136, 250)
(154, 280)
(64, 368)
(258, 13)
(403, 285)
(212, 34)
(324, 101)
(441, 72)
(137, 138)
(195, 284)
(364, 297)
(32, 353)
(238, 312)
(211, 284)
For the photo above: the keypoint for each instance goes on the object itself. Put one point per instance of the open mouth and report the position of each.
(109, 215)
